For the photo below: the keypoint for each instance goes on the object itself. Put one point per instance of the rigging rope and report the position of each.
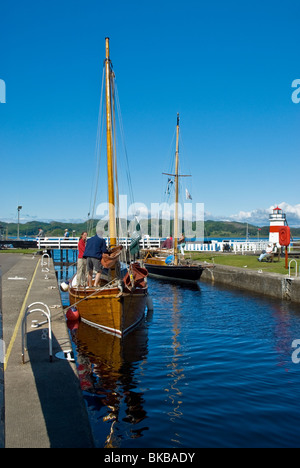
(131, 196)
(115, 155)
(100, 129)
(99, 139)
(93, 293)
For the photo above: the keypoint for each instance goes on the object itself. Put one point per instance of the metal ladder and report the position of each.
(45, 264)
(296, 268)
(44, 310)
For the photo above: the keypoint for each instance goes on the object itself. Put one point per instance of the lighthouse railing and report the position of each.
(277, 217)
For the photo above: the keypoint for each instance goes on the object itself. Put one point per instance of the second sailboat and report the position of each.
(156, 261)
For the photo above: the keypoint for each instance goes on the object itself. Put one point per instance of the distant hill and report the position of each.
(233, 229)
(31, 229)
(224, 229)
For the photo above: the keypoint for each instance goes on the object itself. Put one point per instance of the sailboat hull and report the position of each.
(109, 310)
(173, 272)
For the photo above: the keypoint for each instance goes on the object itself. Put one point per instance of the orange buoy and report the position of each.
(72, 314)
(72, 325)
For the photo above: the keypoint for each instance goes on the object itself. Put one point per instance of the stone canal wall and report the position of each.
(269, 284)
(44, 404)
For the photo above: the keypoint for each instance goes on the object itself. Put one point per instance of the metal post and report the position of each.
(19, 209)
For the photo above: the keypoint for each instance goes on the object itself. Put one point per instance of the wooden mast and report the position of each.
(109, 143)
(176, 193)
(176, 175)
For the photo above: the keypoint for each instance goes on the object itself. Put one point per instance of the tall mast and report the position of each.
(109, 143)
(176, 193)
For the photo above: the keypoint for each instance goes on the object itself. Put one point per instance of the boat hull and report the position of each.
(109, 310)
(173, 272)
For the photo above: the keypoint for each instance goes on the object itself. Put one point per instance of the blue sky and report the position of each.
(226, 67)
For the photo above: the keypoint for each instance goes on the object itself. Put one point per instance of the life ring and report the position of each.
(284, 236)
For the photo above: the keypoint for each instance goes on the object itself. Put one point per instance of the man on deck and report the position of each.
(95, 247)
(168, 243)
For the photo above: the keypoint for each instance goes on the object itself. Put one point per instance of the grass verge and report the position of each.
(19, 251)
(244, 261)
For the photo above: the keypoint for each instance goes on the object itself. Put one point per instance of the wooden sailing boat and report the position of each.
(155, 262)
(119, 304)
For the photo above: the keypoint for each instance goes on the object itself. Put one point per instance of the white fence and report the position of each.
(72, 242)
(241, 247)
(151, 242)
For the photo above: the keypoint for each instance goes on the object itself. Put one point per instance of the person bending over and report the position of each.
(95, 247)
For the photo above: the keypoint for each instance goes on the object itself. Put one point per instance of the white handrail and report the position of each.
(296, 270)
(44, 311)
(72, 243)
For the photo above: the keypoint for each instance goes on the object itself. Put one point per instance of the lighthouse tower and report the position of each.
(277, 220)
(280, 233)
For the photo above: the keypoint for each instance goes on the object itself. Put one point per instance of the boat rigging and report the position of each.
(119, 304)
(157, 262)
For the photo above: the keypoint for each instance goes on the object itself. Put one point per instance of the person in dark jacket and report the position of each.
(168, 243)
(95, 247)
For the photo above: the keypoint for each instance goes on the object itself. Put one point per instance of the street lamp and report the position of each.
(19, 209)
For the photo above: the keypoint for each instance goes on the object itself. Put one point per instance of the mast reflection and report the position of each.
(106, 368)
(176, 371)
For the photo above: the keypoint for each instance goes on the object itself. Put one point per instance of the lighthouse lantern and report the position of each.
(277, 220)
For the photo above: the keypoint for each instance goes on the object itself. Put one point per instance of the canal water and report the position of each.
(209, 367)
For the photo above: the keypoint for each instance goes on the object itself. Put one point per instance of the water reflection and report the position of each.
(211, 368)
(285, 322)
(175, 372)
(106, 367)
(175, 382)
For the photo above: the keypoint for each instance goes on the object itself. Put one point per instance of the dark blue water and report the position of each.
(210, 367)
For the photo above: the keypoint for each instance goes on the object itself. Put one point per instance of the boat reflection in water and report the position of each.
(106, 367)
(217, 371)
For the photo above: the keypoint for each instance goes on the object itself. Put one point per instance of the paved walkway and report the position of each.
(44, 406)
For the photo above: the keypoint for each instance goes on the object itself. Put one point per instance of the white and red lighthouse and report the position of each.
(277, 221)
(280, 233)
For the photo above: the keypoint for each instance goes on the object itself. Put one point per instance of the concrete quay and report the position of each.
(274, 285)
(44, 406)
